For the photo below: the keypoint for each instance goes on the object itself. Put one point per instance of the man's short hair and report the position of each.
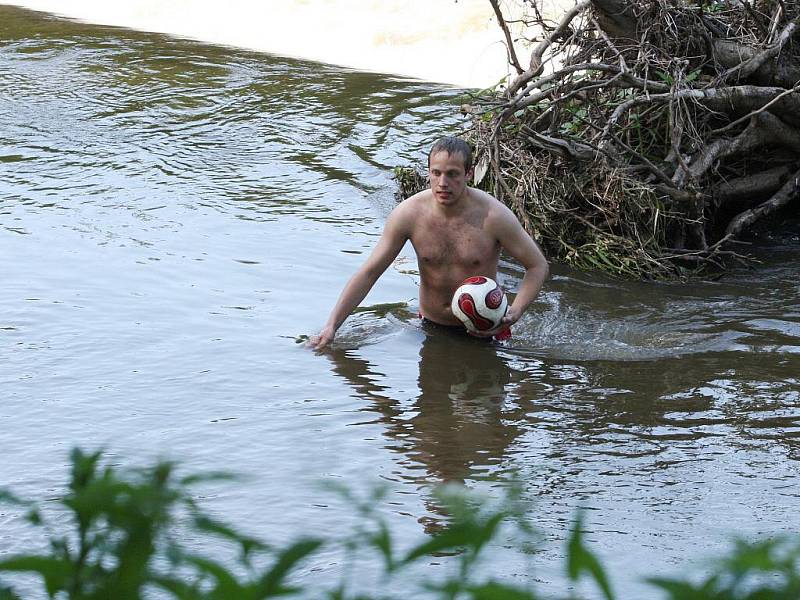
(453, 145)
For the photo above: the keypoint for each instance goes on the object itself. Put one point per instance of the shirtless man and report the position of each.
(457, 232)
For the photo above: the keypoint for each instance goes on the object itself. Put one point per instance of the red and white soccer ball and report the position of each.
(479, 303)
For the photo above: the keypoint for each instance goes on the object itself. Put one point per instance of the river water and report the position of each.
(175, 217)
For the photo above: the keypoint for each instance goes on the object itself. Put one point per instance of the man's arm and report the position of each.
(392, 239)
(516, 242)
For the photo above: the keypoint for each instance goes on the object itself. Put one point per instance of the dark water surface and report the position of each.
(173, 216)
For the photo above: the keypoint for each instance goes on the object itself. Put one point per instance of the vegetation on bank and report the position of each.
(644, 137)
(115, 534)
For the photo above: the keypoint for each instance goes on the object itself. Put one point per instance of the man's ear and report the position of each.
(471, 175)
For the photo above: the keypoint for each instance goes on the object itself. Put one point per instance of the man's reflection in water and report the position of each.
(459, 428)
(455, 428)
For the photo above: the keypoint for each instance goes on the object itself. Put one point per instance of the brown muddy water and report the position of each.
(175, 216)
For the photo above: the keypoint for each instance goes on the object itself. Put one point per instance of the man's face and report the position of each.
(448, 178)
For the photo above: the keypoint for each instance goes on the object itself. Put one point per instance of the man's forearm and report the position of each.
(355, 290)
(529, 288)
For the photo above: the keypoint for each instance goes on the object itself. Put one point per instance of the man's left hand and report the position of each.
(506, 322)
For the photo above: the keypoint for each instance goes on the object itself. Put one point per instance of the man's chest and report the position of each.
(463, 245)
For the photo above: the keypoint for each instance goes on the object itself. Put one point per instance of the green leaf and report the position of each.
(211, 476)
(498, 591)
(753, 556)
(34, 517)
(678, 590)
(55, 572)
(665, 77)
(8, 594)
(178, 588)
(209, 525)
(271, 582)
(226, 583)
(382, 540)
(7, 497)
(84, 468)
(487, 530)
(693, 75)
(581, 560)
(455, 537)
(448, 589)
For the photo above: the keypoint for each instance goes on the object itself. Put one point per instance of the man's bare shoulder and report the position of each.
(411, 206)
(422, 197)
(403, 217)
(496, 210)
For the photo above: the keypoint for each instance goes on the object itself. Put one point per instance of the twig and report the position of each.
(512, 54)
(733, 124)
(750, 66)
(535, 67)
(774, 24)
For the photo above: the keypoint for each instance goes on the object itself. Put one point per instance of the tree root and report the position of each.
(789, 191)
(657, 123)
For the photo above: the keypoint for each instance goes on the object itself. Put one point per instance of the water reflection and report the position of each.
(454, 428)
(94, 111)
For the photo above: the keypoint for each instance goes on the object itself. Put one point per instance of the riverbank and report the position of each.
(456, 43)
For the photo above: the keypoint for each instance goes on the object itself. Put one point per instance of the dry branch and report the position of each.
(750, 187)
(788, 192)
(658, 122)
(745, 69)
(512, 54)
(535, 68)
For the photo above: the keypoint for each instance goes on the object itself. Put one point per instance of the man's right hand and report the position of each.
(325, 337)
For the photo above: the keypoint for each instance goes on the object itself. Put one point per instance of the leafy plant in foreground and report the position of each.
(116, 538)
(122, 542)
(472, 524)
(762, 570)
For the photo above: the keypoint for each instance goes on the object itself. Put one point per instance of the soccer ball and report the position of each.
(479, 303)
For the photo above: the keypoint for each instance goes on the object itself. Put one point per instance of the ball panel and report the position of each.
(476, 280)
(494, 298)
(467, 305)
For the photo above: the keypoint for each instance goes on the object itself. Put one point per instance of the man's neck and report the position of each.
(456, 208)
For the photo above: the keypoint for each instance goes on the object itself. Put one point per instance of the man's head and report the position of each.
(449, 168)
(453, 145)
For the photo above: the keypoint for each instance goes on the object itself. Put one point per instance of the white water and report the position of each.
(456, 42)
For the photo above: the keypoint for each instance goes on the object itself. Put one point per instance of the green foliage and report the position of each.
(472, 524)
(122, 525)
(580, 560)
(120, 542)
(714, 7)
(763, 570)
(409, 182)
(574, 119)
